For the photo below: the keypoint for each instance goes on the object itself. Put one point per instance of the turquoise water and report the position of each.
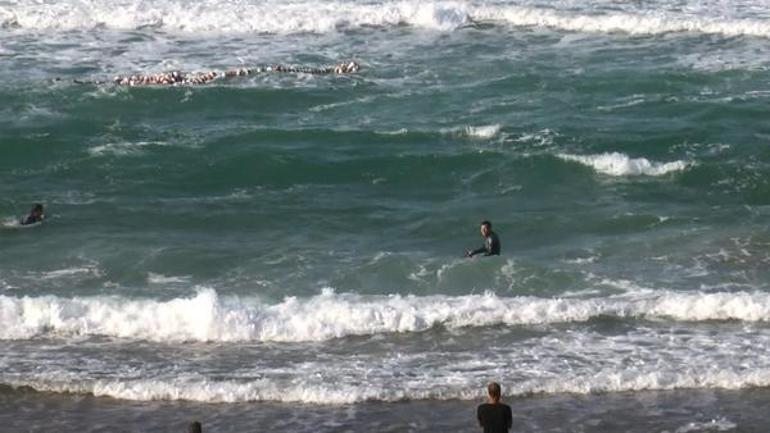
(322, 174)
(304, 234)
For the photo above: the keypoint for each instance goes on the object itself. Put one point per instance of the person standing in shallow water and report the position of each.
(493, 416)
(491, 245)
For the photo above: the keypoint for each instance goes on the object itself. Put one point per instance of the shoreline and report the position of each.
(24, 410)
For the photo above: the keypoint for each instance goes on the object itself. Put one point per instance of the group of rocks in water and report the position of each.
(196, 78)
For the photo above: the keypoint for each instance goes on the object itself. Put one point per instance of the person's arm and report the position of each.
(471, 253)
(509, 418)
(479, 416)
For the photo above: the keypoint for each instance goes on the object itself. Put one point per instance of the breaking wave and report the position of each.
(209, 317)
(303, 389)
(618, 164)
(227, 16)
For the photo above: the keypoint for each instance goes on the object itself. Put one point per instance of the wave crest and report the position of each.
(192, 387)
(226, 16)
(639, 23)
(209, 317)
(618, 164)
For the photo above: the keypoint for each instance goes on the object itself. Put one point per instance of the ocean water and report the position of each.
(285, 251)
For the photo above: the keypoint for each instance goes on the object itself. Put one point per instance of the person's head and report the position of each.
(493, 389)
(485, 228)
(37, 209)
(194, 427)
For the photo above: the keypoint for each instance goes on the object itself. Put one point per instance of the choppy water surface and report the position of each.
(293, 238)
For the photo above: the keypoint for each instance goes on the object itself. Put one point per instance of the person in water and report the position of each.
(491, 245)
(493, 416)
(35, 215)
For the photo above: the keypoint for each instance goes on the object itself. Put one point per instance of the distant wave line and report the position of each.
(310, 16)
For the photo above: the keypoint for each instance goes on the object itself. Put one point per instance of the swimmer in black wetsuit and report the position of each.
(491, 245)
(35, 215)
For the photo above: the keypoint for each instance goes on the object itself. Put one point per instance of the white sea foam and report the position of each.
(719, 424)
(583, 360)
(644, 23)
(346, 382)
(123, 148)
(620, 381)
(484, 132)
(400, 131)
(542, 138)
(209, 317)
(625, 102)
(582, 260)
(164, 279)
(15, 223)
(203, 390)
(225, 16)
(91, 270)
(11, 222)
(479, 132)
(619, 164)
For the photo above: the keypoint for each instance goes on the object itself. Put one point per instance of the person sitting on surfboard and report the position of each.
(35, 215)
(491, 245)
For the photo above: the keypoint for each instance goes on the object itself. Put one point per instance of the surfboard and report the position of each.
(13, 224)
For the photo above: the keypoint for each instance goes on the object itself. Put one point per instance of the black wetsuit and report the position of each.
(30, 219)
(495, 418)
(491, 246)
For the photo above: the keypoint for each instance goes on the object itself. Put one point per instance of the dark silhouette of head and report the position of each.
(493, 389)
(194, 427)
(37, 209)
